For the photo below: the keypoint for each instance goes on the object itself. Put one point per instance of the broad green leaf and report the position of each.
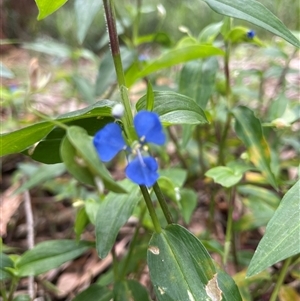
(95, 292)
(174, 57)
(224, 176)
(181, 269)
(161, 38)
(49, 255)
(44, 172)
(22, 297)
(5, 262)
(249, 130)
(197, 80)
(84, 146)
(112, 214)
(19, 140)
(47, 7)
(174, 108)
(130, 290)
(85, 12)
(255, 13)
(281, 239)
(48, 150)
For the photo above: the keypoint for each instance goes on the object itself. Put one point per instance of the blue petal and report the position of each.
(142, 171)
(149, 128)
(109, 141)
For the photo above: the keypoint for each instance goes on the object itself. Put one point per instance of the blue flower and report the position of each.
(109, 141)
(251, 34)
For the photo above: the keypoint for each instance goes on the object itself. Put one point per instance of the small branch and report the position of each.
(30, 237)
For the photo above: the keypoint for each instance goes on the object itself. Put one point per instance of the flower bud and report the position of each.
(118, 111)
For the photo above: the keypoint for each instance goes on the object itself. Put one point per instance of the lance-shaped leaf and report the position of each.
(249, 130)
(181, 269)
(19, 140)
(47, 7)
(112, 214)
(281, 239)
(255, 13)
(174, 108)
(174, 57)
(49, 255)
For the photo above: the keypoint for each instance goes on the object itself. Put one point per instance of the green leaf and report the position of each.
(150, 97)
(47, 7)
(95, 292)
(49, 255)
(174, 57)
(197, 80)
(174, 108)
(249, 130)
(5, 262)
(81, 222)
(85, 12)
(84, 146)
(19, 140)
(44, 172)
(48, 150)
(181, 268)
(210, 32)
(255, 13)
(224, 176)
(112, 214)
(70, 158)
(84, 88)
(281, 239)
(130, 290)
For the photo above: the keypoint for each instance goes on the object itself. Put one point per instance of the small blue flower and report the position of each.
(109, 141)
(251, 34)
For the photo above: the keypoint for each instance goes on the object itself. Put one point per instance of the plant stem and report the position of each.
(222, 144)
(13, 287)
(200, 148)
(133, 243)
(3, 291)
(115, 51)
(280, 279)
(151, 210)
(163, 204)
(228, 235)
(136, 23)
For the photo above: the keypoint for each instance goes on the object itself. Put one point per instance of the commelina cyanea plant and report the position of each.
(141, 169)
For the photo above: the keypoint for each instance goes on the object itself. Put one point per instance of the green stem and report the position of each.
(281, 278)
(3, 291)
(136, 23)
(133, 243)
(163, 204)
(151, 210)
(200, 148)
(115, 51)
(13, 287)
(222, 145)
(228, 235)
(228, 96)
